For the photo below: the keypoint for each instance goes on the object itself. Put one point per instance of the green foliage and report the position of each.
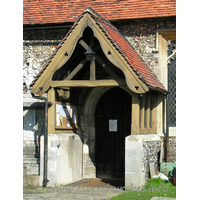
(155, 182)
(29, 185)
(154, 188)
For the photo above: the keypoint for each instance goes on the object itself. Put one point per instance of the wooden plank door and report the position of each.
(113, 124)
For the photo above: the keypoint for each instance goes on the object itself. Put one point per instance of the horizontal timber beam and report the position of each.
(87, 83)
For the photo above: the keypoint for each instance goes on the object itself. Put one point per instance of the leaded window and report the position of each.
(172, 83)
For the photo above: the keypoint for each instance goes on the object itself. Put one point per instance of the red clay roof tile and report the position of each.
(68, 11)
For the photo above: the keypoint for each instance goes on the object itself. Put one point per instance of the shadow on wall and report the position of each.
(33, 128)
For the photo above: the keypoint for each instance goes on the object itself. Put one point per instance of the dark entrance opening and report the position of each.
(113, 124)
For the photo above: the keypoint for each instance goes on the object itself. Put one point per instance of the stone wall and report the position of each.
(87, 123)
(142, 35)
(151, 155)
(172, 149)
(64, 159)
(35, 55)
(38, 46)
(152, 150)
(134, 165)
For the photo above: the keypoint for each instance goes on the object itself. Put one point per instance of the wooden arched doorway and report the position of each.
(113, 124)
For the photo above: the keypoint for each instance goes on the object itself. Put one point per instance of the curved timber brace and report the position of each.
(47, 104)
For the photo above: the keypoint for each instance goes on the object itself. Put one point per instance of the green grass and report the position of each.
(154, 188)
(29, 185)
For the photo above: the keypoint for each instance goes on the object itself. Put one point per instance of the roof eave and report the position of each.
(158, 89)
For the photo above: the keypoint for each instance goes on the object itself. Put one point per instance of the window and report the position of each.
(172, 83)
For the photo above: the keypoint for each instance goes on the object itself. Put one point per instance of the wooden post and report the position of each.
(135, 115)
(154, 112)
(148, 111)
(142, 112)
(51, 111)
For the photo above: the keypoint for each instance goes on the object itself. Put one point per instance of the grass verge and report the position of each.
(154, 188)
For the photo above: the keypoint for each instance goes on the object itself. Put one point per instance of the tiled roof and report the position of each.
(60, 11)
(128, 52)
(122, 46)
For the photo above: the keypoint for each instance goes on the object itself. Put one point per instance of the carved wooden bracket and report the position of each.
(171, 57)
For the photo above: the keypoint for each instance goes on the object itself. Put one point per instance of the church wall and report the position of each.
(40, 44)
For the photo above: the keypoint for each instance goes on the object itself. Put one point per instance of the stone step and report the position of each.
(31, 180)
(31, 169)
(28, 155)
(28, 149)
(31, 160)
